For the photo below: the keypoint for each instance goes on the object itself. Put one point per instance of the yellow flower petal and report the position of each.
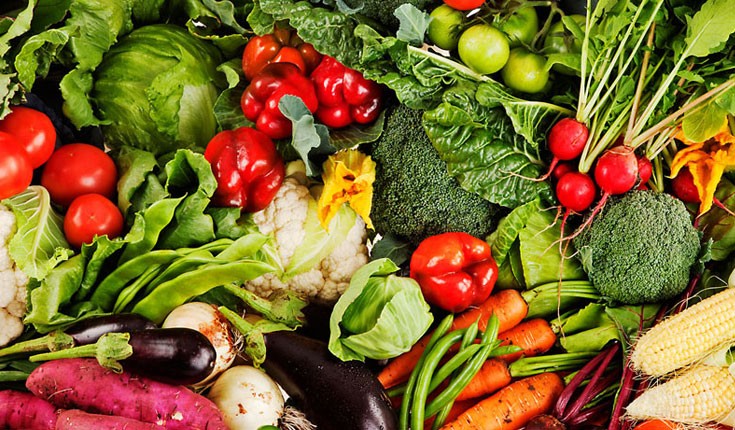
(707, 162)
(348, 178)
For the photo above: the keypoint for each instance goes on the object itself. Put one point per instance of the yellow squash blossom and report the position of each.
(707, 162)
(348, 178)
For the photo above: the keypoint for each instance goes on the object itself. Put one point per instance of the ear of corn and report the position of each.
(700, 394)
(688, 336)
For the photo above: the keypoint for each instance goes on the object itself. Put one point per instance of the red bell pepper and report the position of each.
(248, 168)
(260, 100)
(345, 96)
(455, 270)
(283, 45)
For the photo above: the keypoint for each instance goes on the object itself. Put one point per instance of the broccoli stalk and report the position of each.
(414, 196)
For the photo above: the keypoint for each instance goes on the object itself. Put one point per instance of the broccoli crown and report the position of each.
(414, 196)
(640, 248)
(382, 10)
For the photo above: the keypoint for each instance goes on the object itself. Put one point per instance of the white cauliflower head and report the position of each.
(284, 218)
(12, 284)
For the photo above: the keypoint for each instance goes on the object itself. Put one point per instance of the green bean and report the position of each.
(128, 293)
(453, 364)
(156, 305)
(489, 342)
(465, 348)
(182, 265)
(424, 380)
(440, 331)
(12, 376)
(109, 289)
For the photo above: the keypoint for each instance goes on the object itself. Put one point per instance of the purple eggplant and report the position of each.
(334, 395)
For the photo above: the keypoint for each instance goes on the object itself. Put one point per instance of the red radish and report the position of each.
(616, 171)
(19, 410)
(566, 141)
(562, 169)
(576, 191)
(685, 190)
(683, 187)
(645, 170)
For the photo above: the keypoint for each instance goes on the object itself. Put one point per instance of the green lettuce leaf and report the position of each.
(502, 239)
(38, 244)
(379, 316)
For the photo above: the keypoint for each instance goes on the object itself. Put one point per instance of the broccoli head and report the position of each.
(640, 248)
(414, 196)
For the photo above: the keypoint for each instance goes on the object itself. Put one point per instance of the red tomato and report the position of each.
(33, 130)
(78, 169)
(91, 215)
(464, 4)
(16, 172)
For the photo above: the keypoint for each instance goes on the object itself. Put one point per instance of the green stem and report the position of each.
(53, 341)
(109, 350)
(12, 376)
(529, 366)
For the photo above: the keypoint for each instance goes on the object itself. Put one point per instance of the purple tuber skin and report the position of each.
(81, 383)
(20, 410)
(74, 419)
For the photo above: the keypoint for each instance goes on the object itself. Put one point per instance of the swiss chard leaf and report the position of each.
(483, 151)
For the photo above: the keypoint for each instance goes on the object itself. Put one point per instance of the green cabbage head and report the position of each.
(155, 90)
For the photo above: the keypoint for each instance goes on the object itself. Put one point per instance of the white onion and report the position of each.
(206, 319)
(247, 397)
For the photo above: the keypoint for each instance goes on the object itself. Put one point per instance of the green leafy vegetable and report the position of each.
(39, 243)
(310, 140)
(379, 316)
(413, 24)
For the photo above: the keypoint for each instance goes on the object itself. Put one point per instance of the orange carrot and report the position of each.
(508, 306)
(533, 336)
(493, 375)
(458, 409)
(513, 406)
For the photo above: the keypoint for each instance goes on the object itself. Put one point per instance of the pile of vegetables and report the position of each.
(337, 214)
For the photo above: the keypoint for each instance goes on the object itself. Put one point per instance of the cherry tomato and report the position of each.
(445, 27)
(521, 26)
(483, 48)
(91, 215)
(34, 132)
(525, 71)
(78, 169)
(464, 4)
(16, 172)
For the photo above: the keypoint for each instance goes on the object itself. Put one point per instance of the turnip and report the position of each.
(247, 397)
(19, 410)
(83, 384)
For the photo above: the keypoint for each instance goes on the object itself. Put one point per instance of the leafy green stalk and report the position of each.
(253, 330)
(283, 307)
(529, 366)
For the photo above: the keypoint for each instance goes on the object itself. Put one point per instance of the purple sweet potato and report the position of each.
(19, 410)
(74, 419)
(81, 383)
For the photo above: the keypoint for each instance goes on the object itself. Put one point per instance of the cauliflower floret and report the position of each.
(284, 218)
(12, 284)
